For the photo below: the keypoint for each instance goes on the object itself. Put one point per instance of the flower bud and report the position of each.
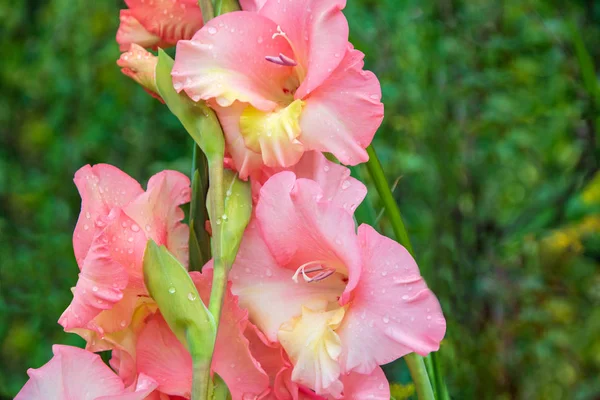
(140, 65)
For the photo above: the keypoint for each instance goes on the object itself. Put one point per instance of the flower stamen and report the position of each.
(313, 271)
(282, 59)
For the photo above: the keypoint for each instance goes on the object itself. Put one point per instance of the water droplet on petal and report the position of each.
(86, 227)
(405, 297)
(171, 290)
(346, 185)
(123, 323)
(269, 273)
(87, 215)
(212, 30)
(386, 319)
(383, 273)
(135, 228)
(95, 289)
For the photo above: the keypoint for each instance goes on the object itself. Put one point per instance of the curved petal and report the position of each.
(141, 390)
(72, 373)
(318, 32)
(314, 348)
(169, 20)
(260, 283)
(373, 386)
(334, 179)
(160, 355)
(158, 214)
(101, 187)
(232, 358)
(225, 60)
(392, 312)
(132, 31)
(245, 161)
(299, 226)
(252, 5)
(342, 115)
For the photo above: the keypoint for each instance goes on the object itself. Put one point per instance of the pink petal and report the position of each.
(72, 373)
(225, 61)
(260, 283)
(168, 20)
(161, 356)
(318, 32)
(140, 65)
(342, 115)
(140, 390)
(300, 226)
(102, 187)
(334, 179)
(245, 160)
(252, 5)
(157, 212)
(392, 312)
(373, 386)
(132, 31)
(232, 359)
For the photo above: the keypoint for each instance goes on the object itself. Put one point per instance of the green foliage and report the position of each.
(490, 128)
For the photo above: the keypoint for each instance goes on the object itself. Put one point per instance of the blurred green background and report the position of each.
(491, 133)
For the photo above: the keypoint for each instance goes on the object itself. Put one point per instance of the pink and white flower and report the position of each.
(284, 80)
(117, 218)
(338, 301)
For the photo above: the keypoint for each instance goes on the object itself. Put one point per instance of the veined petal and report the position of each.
(335, 180)
(162, 356)
(318, 32)
(74, 373)
(102, 187)
(342, 115)
(232, 358)
(373, 386)
(392, 312)
(158, 214)
(299, 226)
(168, 20)
(314, 348)
(245, 161)
(273, 134)
(260, 283)
(225, 61)
(132, 31)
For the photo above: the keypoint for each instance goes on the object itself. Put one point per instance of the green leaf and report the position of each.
(170, 285)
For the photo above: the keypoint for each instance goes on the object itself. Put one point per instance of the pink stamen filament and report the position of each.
(282, 59)
(313, 267)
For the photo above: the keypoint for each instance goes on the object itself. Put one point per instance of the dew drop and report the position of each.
(191, 296)
(224, 217)
(148, 228)
(383, 273)
(171, 290)
(405, 297)
(135, 228)
(269, 273)
(95, 289)
(177, 86)
(87, 215)
(429, 317)
(374, 96)
(86, 227)
(346, 185)
(326, 168)
(212, 30)
(123, 323)
(130, 239)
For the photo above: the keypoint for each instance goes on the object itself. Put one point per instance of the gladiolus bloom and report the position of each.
(117, 218)
(158, 23)
(283, 80)
(339, 302)
(74, 373)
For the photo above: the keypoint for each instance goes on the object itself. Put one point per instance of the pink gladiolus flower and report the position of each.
(74, 373)
(160, 355)
(283, 80)
(117, 218)
(158, 23)
(338, 302)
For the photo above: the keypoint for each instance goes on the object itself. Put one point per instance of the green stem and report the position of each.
(208, 11)
(418, 372)
(217, 208)
(201, 362)
(415, 362)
